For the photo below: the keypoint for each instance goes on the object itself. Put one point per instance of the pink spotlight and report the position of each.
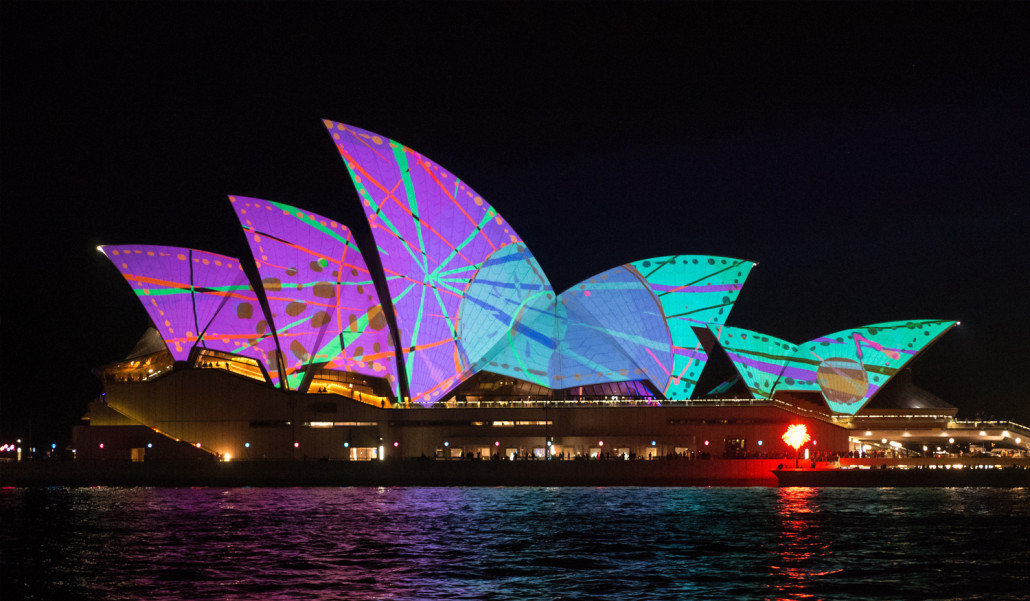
(600, 443)
(396, 444)
(706, 443)
(497, 443)
(296, 445)
(101, 445)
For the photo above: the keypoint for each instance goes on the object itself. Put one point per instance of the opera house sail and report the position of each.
(846, 368)
(197, 299)
(320, 293)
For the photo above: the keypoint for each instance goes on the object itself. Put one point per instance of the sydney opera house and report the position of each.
(446, 340)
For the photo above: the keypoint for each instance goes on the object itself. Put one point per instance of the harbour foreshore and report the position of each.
(847, 472)
(413, 472)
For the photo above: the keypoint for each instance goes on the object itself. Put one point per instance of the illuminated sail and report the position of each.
(197, 298)
(694, 291)
(323, 302)
(758, 358)
(632, 322)
(850, 366)
(434, 234)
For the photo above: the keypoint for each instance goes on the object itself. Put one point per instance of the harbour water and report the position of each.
(514, 543)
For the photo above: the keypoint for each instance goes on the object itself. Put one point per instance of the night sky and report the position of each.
(874, 160)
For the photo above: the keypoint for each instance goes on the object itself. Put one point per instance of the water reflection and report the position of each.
(511, 543)
(804, 547)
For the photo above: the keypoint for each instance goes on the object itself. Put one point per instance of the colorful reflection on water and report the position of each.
(513, 543)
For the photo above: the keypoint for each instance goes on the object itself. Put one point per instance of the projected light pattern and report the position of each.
(466, 300)
(434, 232)
(323, 303)
(528, 349)
(694, 291)
(509, 287)
(468, 296)
(196, 298)
(758, 358)
(847, 368)
(850, 366)
(613, 330)
(620, 325)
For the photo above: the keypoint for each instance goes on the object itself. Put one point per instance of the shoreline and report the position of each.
(677, 472)
(429, 473)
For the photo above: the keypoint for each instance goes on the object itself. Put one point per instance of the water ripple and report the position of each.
(513, 543)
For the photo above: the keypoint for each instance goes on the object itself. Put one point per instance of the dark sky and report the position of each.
(875, 160)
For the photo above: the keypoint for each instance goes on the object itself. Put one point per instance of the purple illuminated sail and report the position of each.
(321, 296)
(434, 234)
(196, 298)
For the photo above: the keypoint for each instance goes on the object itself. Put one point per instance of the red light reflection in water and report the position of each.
(803, 547)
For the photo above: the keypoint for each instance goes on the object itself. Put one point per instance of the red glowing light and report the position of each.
(497, 443)
(396, 444)
(796, 435)
(101, 445)
(296, 445)
(600, 443)
(706, 443)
